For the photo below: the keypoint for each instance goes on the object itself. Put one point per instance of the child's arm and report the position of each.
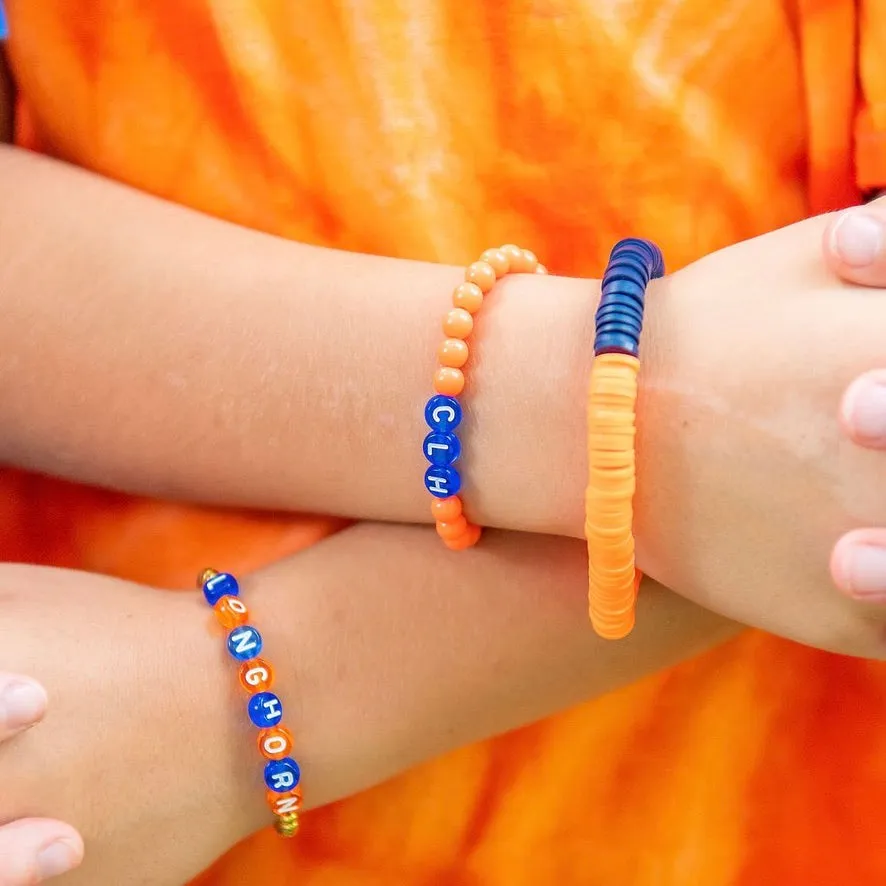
(388, 651)
(149, 347)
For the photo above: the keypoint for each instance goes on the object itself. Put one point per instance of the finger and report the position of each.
(863, 410)
(855, 244)
(22, 704)
(858, 565)
(35, 850)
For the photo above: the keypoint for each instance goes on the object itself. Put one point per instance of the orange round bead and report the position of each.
(449, 381)
(512, 253)
(468, 296)
(467, 539)
(500, 262)
(540, 269)
(453, 352)
(481, 273)
(450, 531)
(458, 323)
(445, 510)
(526, 264)
(256, 675)
(231, 612)
(276, 743)
(285, 804)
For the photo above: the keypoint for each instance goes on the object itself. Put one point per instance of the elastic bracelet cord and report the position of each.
(613, 580)
(275, 743)
(443, 412)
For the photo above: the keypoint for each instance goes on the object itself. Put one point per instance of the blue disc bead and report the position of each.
(221, 585)
(245, 643)
(265, 710)
(443, 413)
(442, 482)
(282, 776)
(441, 449)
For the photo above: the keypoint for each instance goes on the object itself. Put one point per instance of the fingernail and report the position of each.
(857, 238)
(22, 704)
(864, 410)
(56, 859)
(865, 571)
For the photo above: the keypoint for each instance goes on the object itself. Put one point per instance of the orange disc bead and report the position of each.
(256, 675)
(276, 743)
(453, 352)
(449, 531)
(231, 612)
(466, 540)
(458, 323)
(468, 296)
(501, 264)
(445, 510)
(285, 804)
(481, 273)
(449, 381)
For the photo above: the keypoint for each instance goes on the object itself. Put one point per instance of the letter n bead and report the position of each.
(244, 643)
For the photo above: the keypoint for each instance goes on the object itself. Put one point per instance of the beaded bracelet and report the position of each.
(275, 742)
(443, 412)
(613, 580)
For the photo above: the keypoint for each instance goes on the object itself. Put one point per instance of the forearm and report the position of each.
(392, 652)
(154, 349)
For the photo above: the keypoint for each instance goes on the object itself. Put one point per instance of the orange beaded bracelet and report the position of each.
(613, 579)
(443, 411)
(282, 773)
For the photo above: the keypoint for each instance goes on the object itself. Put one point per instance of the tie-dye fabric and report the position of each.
(429, 129)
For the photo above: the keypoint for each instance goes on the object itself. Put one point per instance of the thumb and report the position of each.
(34, 850)
(855, 244)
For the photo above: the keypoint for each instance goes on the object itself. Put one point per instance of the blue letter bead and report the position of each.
(282, 776)
(441, 449)
(442, 482)
(244, 643)
(265, 710)
(221, 585)
(443, 413)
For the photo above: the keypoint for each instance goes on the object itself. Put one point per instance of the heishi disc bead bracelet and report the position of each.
(282, 774)
(443, 412)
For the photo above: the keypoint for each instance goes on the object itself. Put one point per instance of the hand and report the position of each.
(130, 752)
(751, 349)
(855, 248)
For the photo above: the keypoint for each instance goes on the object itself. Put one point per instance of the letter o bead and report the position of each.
(276, 743)
(231, 612)
(265, 710)
(282, 776)
(256, 676)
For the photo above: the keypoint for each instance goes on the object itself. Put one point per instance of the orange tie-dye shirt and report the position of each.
(429, 129)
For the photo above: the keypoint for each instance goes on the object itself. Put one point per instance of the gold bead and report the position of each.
(205, 575)
(287, 825)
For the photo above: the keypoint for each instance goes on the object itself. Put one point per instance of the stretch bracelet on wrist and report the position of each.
(613, 580)
(443, 412)
(275, 743)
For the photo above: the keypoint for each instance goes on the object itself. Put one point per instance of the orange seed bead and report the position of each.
(449, 381)
(452, 530)
(481, 273)
(276, 743)
(453, 352)
(501, 264)
(512, 253)
(466, 540)
(468, 296)
(256, 675)
(458, 323)
(285, 804)
(231, 612)
(445, 510)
